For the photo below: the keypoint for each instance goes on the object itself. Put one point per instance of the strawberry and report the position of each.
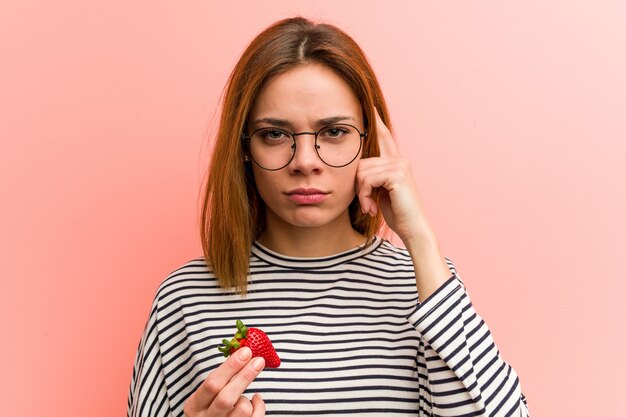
(256, 340)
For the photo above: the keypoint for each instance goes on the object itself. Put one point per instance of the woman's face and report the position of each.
(307, 192)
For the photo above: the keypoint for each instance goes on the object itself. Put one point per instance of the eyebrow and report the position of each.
(286, 123)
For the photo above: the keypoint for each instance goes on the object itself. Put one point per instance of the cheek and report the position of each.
(265, 184)
(346, 181)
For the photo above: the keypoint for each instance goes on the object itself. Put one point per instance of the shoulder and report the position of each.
(191, 278)
(390, 250)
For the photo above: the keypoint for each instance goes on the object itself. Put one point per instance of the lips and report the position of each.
(306, 195)
(305, 191)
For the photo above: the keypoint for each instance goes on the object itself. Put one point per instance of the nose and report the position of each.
(305, 159)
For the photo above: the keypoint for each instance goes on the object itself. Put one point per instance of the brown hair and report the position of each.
(233, 214)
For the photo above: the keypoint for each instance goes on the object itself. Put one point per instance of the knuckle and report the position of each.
(223, 402)
(211, 386)
(187, 411)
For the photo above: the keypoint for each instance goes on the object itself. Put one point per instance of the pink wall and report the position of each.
(514, 115)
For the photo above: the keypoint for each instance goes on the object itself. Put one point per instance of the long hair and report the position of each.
(233, 214)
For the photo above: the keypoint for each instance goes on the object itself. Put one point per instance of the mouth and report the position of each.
(306, 191)
(307, 195)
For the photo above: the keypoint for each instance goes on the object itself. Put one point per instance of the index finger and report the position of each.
(202, 398)
(386, 144)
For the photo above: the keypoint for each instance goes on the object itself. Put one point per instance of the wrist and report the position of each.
(431, 268)
(422, 238)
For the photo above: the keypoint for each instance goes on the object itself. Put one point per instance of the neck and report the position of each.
(310, 242)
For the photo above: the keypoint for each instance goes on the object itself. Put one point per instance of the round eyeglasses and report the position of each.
(273, 148)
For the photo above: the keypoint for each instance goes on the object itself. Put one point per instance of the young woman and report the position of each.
(303, 173)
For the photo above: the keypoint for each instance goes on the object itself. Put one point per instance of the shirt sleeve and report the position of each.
(148, 395)
(464, 373)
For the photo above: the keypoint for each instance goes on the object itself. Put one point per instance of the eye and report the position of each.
(334, 131)
(273, 134)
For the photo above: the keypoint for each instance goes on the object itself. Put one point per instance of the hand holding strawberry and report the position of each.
(221, 393)
(256, 340)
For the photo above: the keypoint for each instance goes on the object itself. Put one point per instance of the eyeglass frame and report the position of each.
(293, 135)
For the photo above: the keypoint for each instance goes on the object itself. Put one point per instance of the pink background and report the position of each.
(513, 114)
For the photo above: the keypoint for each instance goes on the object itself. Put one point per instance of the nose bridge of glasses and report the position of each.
(303, 149)
(293, 135)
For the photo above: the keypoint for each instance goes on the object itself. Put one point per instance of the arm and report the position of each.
(463, 371)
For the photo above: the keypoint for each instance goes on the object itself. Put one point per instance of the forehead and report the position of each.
(305, 95)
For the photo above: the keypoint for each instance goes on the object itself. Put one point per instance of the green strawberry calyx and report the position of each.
(229, 346)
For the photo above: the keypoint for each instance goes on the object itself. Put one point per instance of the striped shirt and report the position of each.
(350, 331)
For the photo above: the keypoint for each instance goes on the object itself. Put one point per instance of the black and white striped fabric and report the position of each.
(352, 336)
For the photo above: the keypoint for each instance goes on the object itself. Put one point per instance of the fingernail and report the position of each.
(244, 353)
(258, 364)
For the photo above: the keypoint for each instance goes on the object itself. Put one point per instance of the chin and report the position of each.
(308, 221)
(309, 217)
